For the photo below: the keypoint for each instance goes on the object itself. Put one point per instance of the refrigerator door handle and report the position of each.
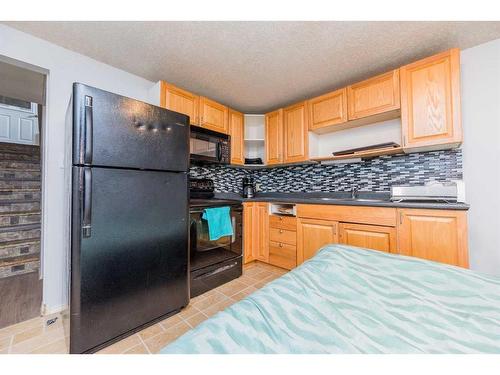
(87, 156)
(87, 203)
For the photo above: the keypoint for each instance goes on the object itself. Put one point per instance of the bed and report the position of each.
(352, 300)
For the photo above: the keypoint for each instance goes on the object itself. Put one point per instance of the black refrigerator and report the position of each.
(129, 230)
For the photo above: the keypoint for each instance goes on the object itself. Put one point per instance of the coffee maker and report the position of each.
(248, 187)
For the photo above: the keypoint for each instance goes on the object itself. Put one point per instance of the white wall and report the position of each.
(64, 67)
(481, 152)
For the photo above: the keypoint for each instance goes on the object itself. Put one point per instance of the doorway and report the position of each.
(20, 196)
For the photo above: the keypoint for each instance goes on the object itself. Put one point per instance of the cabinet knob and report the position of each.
(281, 245)
(281, 230)
(281, 219)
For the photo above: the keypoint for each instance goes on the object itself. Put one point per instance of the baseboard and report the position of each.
(53, 310)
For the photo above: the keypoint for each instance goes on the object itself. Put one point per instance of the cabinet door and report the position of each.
(248, 214)
(436, 235)
(374, 96)
(274, 137)
(312, 235)
(213, 115)
(237, 131)
(368, 236)
(296, 139)
(179, 100)
(327, 110)
(261, 232)
(430, 101)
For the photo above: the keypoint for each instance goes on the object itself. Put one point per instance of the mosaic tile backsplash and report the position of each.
(377, 174)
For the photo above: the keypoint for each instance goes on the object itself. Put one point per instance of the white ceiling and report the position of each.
(258, 66)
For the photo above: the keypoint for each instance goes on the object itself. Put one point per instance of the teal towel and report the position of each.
(219, 222)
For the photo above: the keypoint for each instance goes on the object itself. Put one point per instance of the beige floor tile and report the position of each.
(232, 288)
(5, 342)
(249, 265)
(156, 343)
(151, 331)
(244, 293)
(138, 349)
(188, 311)
(196, 319)
(122, 346)
(57, 347)
(198, 298)
(210, 300)
(28, 334)
(172, 321)
(265, 281)
(20, 327)
(27, 346)
(263, 274)
(219, 306)
(247, 280)
(252, 271)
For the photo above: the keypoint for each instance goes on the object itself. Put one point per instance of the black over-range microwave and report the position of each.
(209, 146)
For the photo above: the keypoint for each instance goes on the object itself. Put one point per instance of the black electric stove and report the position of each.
(213, 262)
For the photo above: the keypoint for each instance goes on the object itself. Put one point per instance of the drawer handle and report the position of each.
(281, 230)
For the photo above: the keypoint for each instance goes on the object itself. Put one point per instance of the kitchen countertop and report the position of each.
(373, 199)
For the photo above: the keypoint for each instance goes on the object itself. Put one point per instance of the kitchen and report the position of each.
(375, 163)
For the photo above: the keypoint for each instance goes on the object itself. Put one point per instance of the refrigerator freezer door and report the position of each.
(110, 130)
(132, 266)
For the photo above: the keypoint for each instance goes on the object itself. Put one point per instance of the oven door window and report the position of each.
(205, 252)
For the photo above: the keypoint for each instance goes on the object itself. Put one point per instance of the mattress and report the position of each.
(352, 300)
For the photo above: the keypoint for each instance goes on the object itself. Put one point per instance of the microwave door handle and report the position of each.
(219, 152)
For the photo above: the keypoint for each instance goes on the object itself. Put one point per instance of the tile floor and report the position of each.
(34, 336)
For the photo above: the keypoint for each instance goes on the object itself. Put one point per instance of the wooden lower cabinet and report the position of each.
(248, 212)
(374, 237)
(312, 234)
(436, 235)
(282, 255)
(255, 231)
(283, 241)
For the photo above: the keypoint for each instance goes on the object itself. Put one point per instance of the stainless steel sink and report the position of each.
(354, 199)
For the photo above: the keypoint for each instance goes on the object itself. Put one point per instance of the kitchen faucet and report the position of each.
(354, 191)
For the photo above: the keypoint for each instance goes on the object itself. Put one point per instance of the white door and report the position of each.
(19, 124)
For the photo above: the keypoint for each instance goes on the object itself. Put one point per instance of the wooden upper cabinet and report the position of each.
(237, 133)
(327, 110)
(274, 137)
(296, 137)
(368, 236)
(374, 96)
(213, 115)
(312, 235)
(436, 235)
(430, 102)
(179, 100)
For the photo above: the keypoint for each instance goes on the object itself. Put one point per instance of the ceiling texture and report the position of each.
(255, 67)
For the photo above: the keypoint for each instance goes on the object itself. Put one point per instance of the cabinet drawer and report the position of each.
(282, 255)
(385, 216)
(283, 222)
(283, 236)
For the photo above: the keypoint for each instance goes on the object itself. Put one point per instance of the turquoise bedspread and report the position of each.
(350, 300)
